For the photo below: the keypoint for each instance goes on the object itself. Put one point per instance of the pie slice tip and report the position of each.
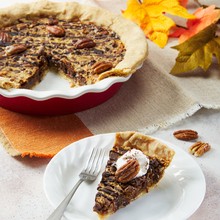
(136, 164)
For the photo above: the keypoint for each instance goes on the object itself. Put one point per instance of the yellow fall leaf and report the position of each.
(150, 16)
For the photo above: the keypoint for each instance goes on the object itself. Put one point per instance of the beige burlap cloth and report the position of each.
(153, 98)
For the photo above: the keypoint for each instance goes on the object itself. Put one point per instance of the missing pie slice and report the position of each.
(136, 164)
(82, 43)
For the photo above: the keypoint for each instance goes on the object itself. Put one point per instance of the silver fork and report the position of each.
(90, 173)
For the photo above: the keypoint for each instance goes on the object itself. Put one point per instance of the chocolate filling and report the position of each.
(113, 195)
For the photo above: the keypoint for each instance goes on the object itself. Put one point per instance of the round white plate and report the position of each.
(177, 195)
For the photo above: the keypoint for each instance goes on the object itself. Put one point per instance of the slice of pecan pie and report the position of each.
(84, 44)
(136, 164)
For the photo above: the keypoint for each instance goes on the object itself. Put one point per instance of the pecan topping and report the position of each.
(15, 49)
(186, 135)
(104, 32)
(40, 51)
(21, 26)
(52, 21)
(128, 171)
(4, 37)
(199, 148)
(85, 43)
(100, 67)
(55, 30)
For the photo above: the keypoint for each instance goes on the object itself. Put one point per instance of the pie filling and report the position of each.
(80, 51)
(113, 195)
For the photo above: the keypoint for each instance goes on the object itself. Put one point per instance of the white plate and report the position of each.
(177, 196)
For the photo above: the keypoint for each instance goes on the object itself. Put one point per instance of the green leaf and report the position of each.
(197, 51)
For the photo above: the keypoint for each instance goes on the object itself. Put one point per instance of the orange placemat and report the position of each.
(39, 136)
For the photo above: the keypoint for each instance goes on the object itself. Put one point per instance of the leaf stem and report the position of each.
(197, 2)
(180, 26)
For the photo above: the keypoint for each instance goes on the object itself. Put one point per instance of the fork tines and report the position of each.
(94, 163)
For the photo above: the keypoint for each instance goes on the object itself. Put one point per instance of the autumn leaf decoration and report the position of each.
(203, 18)
(198, 51)
(151, 16)
(198, 41)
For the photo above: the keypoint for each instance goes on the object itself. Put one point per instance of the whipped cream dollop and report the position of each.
(142, 159)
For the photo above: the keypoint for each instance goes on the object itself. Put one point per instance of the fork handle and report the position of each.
(58, 212)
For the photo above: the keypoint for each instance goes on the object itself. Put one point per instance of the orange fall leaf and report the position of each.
(204, 18)
(183, 2)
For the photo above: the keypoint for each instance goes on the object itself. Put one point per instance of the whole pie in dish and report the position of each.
(82, 43)
(136, 164)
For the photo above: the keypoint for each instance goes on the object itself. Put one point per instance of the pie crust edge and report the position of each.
(148, 145)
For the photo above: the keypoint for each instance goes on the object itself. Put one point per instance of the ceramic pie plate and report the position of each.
(177, 196)
(53, 95)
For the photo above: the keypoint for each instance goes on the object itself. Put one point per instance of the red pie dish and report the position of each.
(61, 58)
(59, 98)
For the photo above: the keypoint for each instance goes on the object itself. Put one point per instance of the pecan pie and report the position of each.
(136, 164)
(84, 44)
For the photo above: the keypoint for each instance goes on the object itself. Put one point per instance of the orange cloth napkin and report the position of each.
(39, 136)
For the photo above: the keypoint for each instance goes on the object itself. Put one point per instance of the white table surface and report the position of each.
(21, 179)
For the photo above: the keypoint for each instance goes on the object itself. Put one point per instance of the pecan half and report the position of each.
(128, 171)
(186, 135)
(85, 43)
(4, 38)
(55, 30)
(199, 148)
(15, 49)
(101, 66)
